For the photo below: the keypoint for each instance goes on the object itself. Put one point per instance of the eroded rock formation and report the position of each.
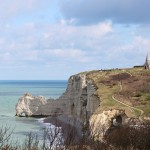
(79, 100)
(28, 104)
(100, 123)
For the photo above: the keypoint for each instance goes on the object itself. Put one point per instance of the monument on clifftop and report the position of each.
(147, 63)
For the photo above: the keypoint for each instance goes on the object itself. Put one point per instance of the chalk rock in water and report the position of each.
(28, 105)
(79, 100)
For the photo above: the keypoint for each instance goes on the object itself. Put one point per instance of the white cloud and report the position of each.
(31, 44)
(35, 36)
(68, 47)
(9, 8)
(73, 55)
(65, 43)
(69, 36)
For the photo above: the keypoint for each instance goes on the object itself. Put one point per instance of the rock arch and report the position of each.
(117, 121)
(23, 114)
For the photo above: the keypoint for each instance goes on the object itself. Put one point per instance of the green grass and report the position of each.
(137, 113)
(105, 92)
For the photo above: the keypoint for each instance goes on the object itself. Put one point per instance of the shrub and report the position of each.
(148, 97)
(145, 88)
(121, 138)
(136, 137)
(138, 94)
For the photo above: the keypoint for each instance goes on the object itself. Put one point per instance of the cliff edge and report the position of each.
(79, 100)
(102, 98)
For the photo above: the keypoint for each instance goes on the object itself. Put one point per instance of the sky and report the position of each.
(54, 39)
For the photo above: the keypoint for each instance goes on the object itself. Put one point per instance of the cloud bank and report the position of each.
(118, 11)
(40, 41)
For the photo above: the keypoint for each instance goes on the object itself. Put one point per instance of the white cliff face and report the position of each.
(79, 100)
(100, 123)
(28, 105)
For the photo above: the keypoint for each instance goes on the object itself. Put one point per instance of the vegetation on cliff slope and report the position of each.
(122, 138)
(129, 86)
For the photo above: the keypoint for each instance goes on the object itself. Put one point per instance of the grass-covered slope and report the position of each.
(127, 89)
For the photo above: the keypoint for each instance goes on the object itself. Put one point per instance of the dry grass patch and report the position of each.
(135, 89)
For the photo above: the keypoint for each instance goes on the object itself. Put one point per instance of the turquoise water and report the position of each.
(10, 91)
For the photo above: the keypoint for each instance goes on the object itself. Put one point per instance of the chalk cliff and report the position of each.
(79, 100)
(102, 122)
(89, 98)
(28, 104)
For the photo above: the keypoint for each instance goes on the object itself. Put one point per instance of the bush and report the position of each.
(145, 88)
(148, 97)
(138, 94)
(130, 137)
(126, 93)
(121, 138)
(5, 138)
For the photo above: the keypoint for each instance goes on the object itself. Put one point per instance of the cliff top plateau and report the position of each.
(127, 89)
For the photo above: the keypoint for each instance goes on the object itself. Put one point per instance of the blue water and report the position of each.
(10, 91)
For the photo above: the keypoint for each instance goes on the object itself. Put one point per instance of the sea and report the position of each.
(10, 91)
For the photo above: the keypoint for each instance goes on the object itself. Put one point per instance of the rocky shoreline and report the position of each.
(62, 119)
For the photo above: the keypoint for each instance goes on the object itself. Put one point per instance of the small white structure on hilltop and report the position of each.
(147, 63)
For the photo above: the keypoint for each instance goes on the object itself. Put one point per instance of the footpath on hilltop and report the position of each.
(127, 89)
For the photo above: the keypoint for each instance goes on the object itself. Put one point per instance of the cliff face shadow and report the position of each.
(71, 127)
(117, 121)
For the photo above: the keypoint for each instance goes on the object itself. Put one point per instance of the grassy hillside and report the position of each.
(131, 87)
